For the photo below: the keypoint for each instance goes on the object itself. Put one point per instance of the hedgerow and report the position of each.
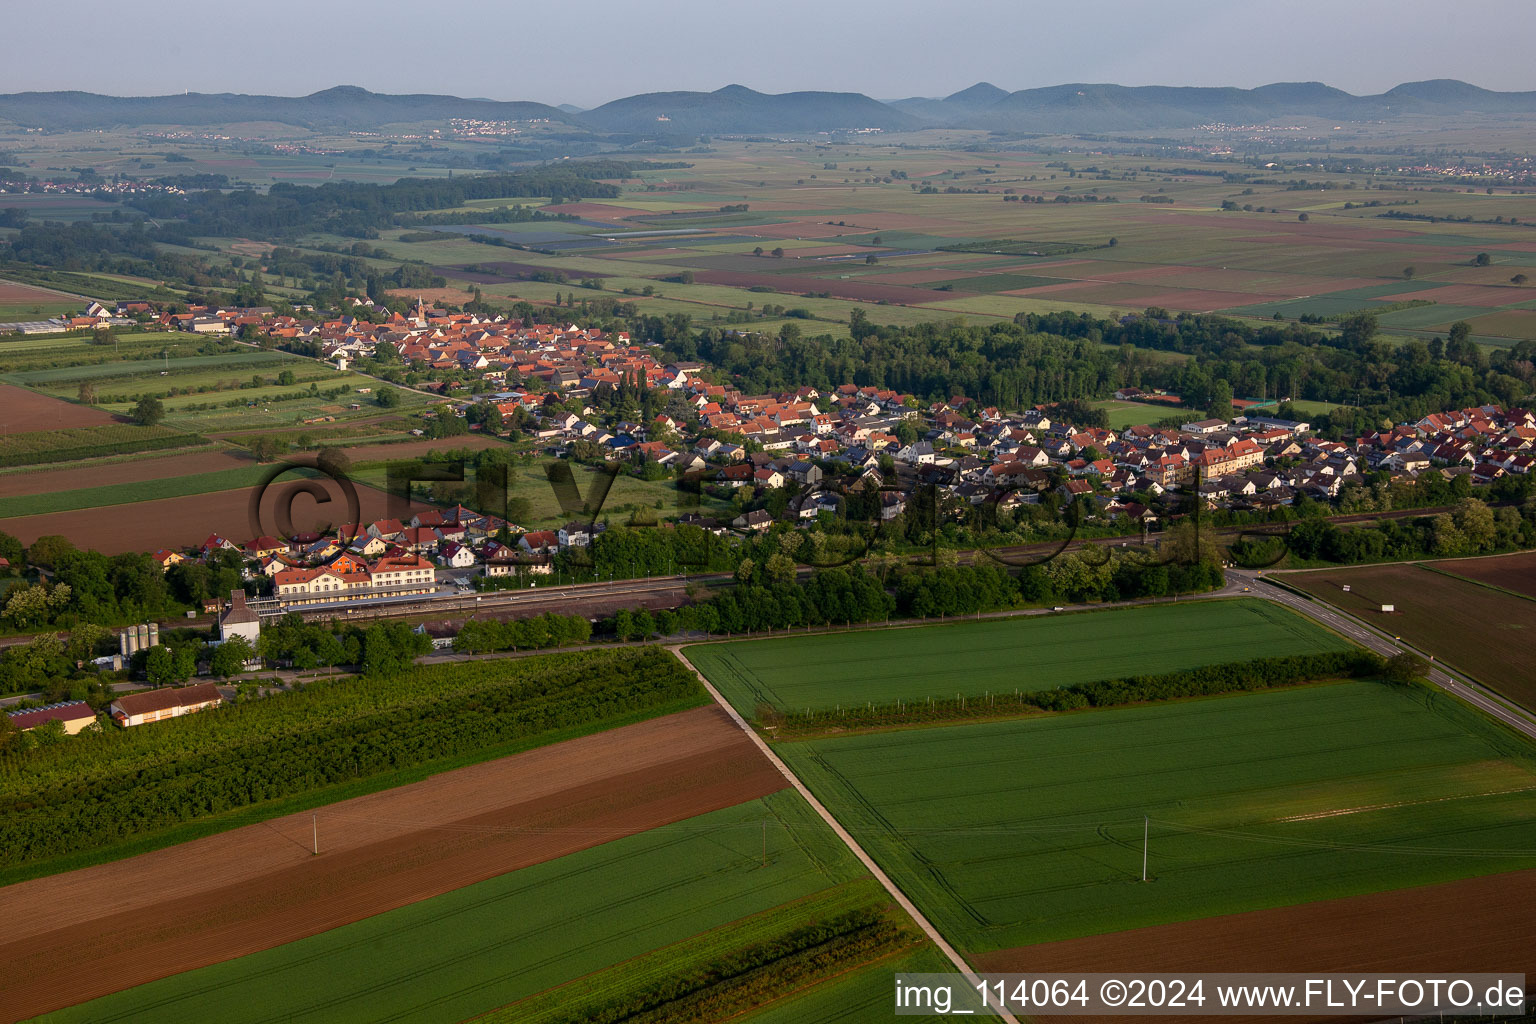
(1203, 681)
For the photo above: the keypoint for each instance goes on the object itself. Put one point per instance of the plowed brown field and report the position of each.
(186, 521)
(1482, 924)
(1512, 572)
(228, 895)
(25, 411)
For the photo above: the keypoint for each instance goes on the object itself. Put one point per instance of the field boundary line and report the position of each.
(869, 862)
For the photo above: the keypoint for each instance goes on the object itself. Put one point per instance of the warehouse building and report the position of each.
(156, 705)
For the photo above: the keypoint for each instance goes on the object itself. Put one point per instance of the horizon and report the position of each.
(858, 46)
(707, 90)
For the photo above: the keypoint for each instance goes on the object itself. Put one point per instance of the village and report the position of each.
(791, 457)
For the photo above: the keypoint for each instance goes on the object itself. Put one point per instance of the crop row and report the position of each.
(68, 443)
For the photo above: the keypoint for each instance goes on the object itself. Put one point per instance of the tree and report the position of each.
(388, 398)
(744, 570)
(1221, 401)
(160, 666)
(778, 251)
(1303, 217)
(334, 462)
(624, 624)
(229, 657)
(1404, 668)
(1408, 273)
(48, 549)
(87, 394)
(286, 378)
(1475, 521)
(1482, 259)
(1519, 279)
(779, 569)
(149, 411)
(266, 448)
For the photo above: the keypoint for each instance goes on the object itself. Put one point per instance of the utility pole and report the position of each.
(315, 821)
(1146, 827)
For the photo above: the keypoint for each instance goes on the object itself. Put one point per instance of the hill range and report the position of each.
(736, 109)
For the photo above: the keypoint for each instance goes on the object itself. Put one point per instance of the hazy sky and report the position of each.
(596, 50)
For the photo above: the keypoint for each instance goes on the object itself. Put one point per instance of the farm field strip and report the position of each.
(488, 944)
(1008, 834)
(1488, 634)
(1508, 572)
(118, 470)
(130, 492)
(23, 411)
(238, 892)
(188, 520)
(1453, 926)
(1000, 655)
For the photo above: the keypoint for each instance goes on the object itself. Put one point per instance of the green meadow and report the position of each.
(822, 671)
(1025, 831)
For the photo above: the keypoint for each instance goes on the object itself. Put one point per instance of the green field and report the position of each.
(1000, 655)
(1130, 414)
(1013, 833)
(479, 948)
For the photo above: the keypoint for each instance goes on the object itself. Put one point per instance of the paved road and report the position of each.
(1386, 644)
(842, 833)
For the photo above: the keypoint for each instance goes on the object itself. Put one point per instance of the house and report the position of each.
(156, 705)
(239, 619)
(263, 546)
(76, 716)
(735, 475)
(167, 558)
(456, 555)
(579, 534)
(757, 520)
(215, 543)
(919, 453)
(540, 542)
(806, 474)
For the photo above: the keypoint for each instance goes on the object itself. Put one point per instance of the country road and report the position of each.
(1386, 644)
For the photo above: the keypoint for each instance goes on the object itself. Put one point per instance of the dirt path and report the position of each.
(256, 887)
